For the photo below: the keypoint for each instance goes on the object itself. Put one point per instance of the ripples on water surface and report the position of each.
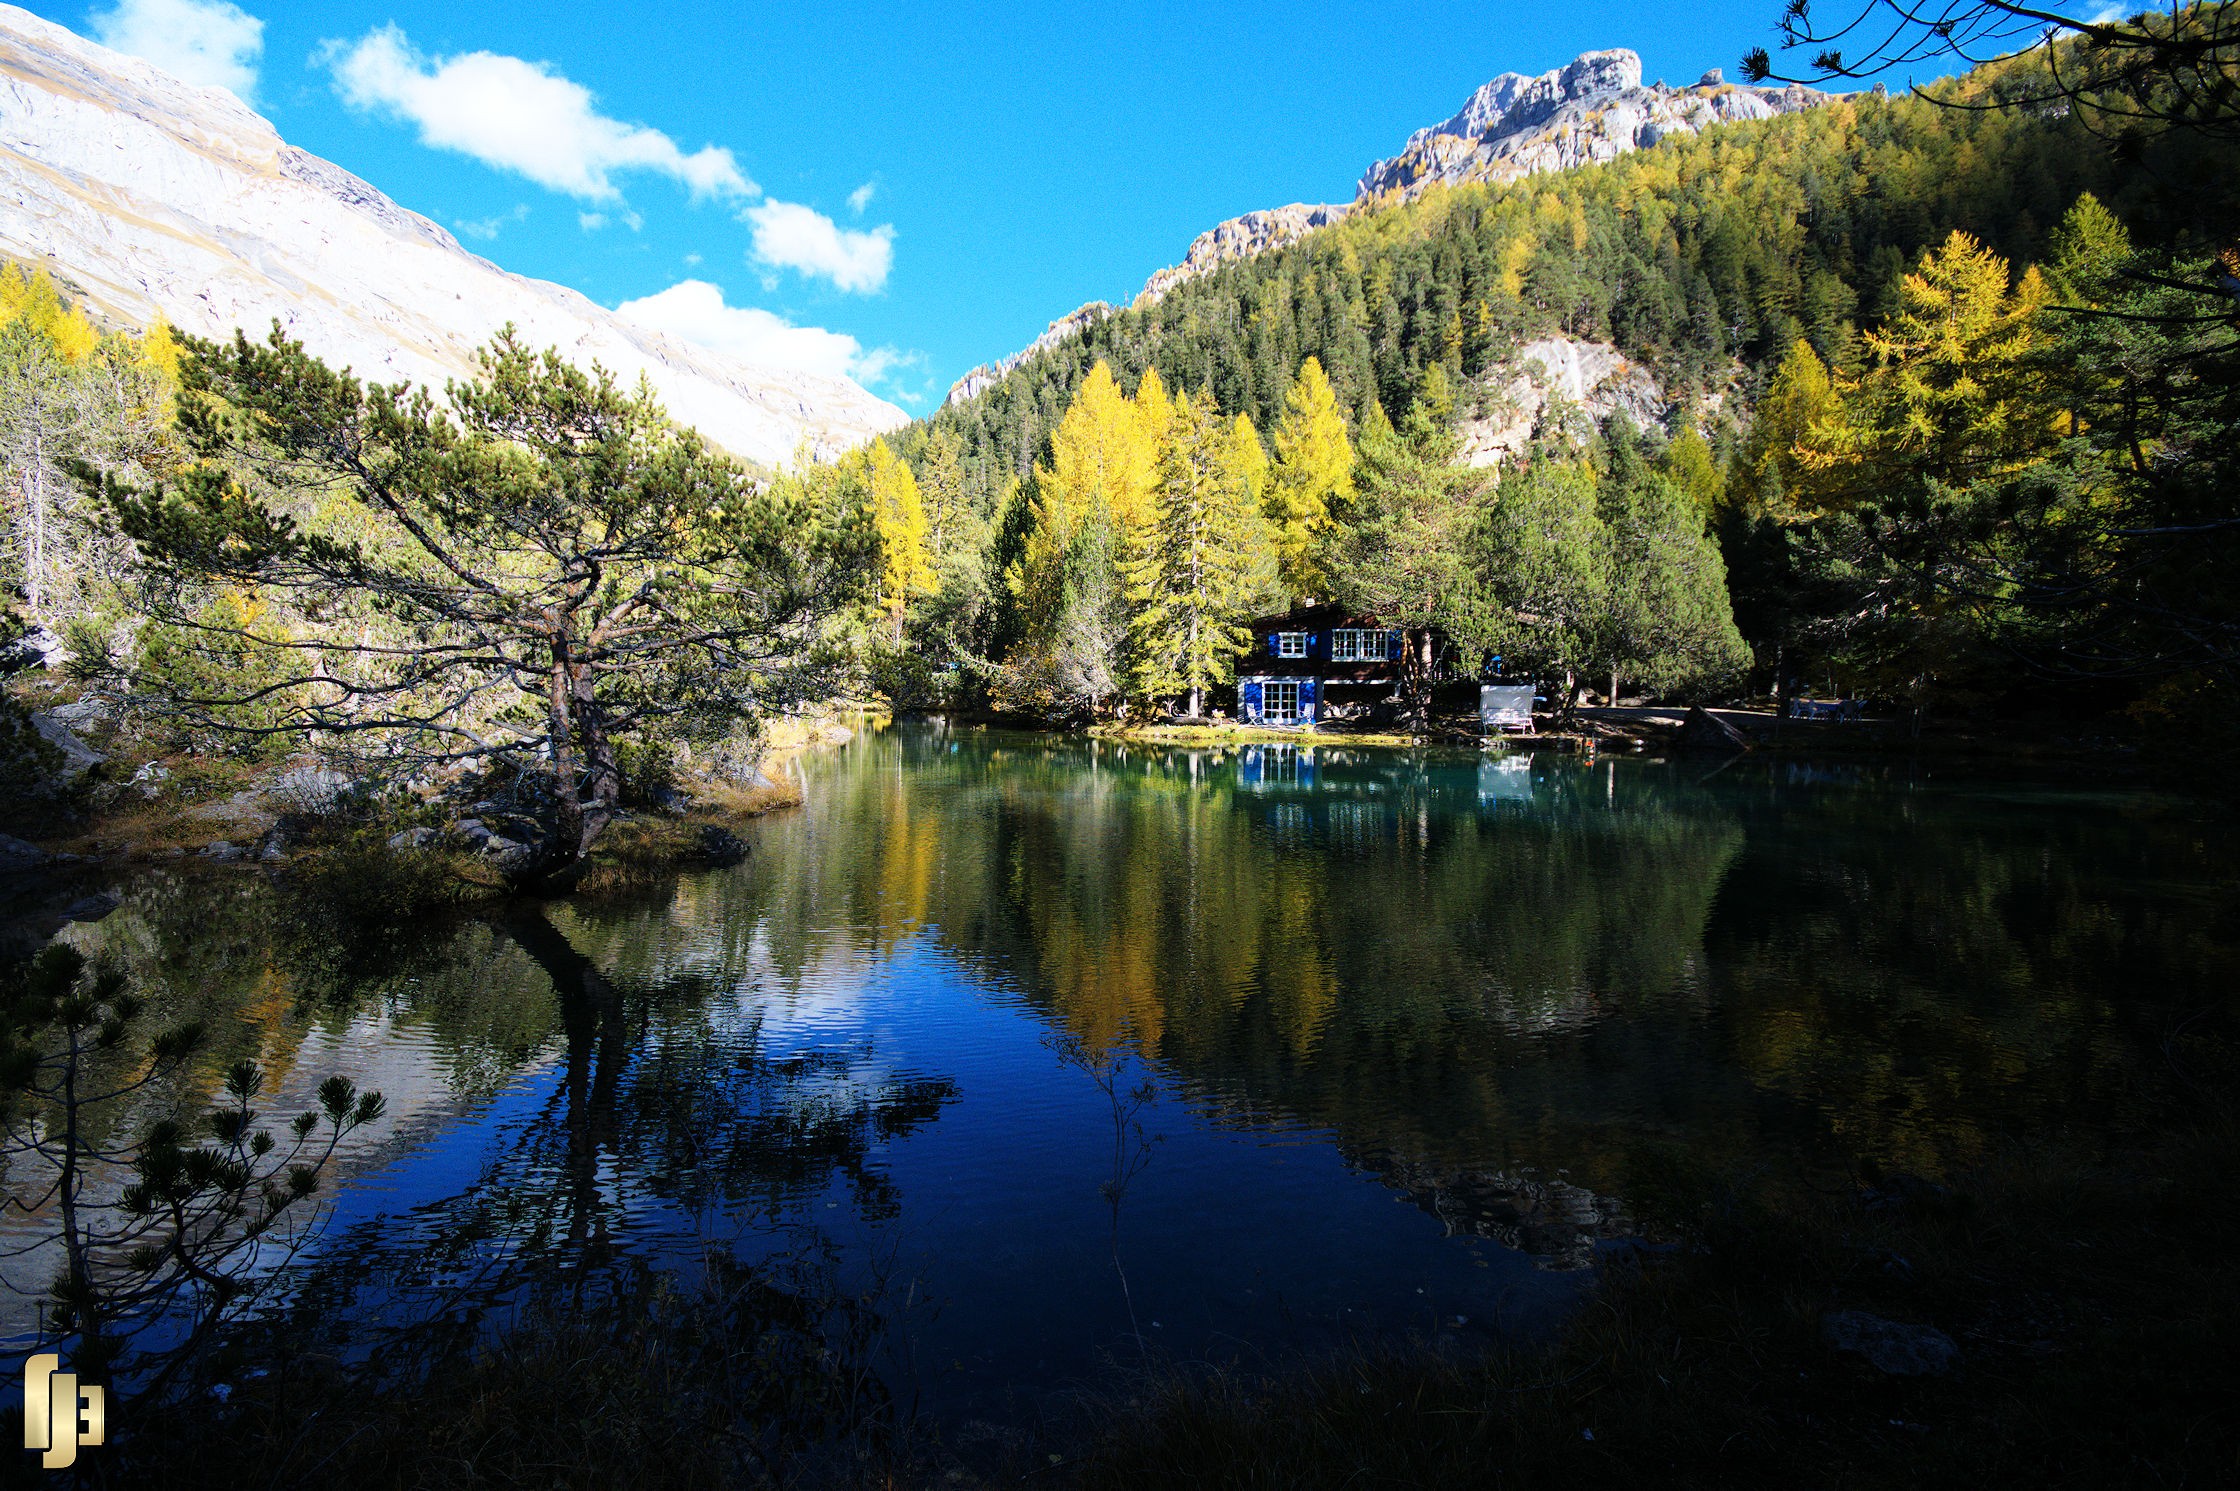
(1417, 1035)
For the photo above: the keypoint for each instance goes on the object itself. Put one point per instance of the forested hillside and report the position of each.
(1947, 401)
(1716, 261)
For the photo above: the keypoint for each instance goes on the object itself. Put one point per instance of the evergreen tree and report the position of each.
(1668, 624)
(533, 574)
(1541, 562)
(1209, 561)
(954, 619)
(1399, 553)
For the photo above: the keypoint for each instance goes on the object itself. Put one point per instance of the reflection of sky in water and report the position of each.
(1422, 1030)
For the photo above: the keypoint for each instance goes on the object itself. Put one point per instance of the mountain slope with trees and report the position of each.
(1791, 283)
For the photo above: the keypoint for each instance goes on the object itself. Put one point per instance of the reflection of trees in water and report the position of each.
(662, 1099)
(664, 1096)
(1943, 969)
(1581, 969)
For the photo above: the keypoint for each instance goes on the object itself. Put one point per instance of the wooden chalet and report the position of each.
(1319, 662)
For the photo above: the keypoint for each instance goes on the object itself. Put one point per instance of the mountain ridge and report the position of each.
(1594, 108)
(151, 196)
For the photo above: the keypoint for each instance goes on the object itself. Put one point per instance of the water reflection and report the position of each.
(1421, 1032)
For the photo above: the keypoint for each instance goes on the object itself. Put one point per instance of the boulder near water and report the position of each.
(1704, 731)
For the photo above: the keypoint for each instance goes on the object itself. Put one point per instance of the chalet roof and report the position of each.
(1309, 618)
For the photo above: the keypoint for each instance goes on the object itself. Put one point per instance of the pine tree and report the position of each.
(1667, 624)
(533, 573)
(1398, 556)
(1541, 561)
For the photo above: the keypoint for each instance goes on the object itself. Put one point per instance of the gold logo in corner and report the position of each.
(58, 1415)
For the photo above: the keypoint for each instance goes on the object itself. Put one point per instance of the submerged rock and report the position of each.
(90, 908)
(1556, 1222)
(1893, 1347)
(16, 855)
(719, 846)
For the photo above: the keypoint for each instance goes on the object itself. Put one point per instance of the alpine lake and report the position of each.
(1048, 1053)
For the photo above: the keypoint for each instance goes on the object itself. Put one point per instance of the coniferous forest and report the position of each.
(1948, 381)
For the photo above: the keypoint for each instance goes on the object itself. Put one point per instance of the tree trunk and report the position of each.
(35, 499)
(587, 783)
(1613, 688)
(1416, 679)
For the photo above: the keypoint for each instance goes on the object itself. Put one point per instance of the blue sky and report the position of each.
(900, 191)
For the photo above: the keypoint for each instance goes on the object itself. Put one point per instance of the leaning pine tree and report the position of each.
(1209, 559)
(529, 572)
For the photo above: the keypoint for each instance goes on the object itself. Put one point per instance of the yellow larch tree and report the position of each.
(1313, 468)
(905, 563)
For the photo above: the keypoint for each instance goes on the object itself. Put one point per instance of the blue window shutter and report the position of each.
(1394, 639)
(1248, 695)
(1308, 687)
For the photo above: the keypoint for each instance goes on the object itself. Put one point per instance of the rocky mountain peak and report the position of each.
(1513, 102)
(1593, 108)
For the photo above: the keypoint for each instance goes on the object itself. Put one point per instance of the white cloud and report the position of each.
(486, 228)
(210, 43)
(791, 236)
(592, 222)
(694, 311)
(518, 116)
(861, 197)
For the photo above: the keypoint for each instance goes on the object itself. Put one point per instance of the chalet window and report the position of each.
(1351, 645)
(1290, 644)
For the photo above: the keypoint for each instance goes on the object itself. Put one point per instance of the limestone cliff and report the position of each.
(1594, 109)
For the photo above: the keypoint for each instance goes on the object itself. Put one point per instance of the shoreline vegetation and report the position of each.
(154, 809)
(169, 811)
